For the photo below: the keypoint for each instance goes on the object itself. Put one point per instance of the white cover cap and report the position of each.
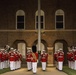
(12, 48)
(43, 50)
(60, 49)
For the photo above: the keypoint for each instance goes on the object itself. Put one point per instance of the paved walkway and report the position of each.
(23, 71)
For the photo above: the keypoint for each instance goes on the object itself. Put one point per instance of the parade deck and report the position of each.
(24, 71)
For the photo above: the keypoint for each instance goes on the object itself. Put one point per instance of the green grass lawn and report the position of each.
(69, 71)
(4, 70)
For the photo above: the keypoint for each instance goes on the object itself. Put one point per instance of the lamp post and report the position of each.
(39, 26)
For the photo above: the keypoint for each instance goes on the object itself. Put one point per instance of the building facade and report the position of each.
(19, 25)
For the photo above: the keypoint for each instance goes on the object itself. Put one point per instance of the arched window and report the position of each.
(20, 19)
(42, 20)
(59, 19)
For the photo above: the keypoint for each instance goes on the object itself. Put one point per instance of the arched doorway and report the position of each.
(21, 46)
(43, 45)
(58, 45)
(62, 44)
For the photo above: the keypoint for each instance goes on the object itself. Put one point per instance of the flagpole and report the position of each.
(39, 26)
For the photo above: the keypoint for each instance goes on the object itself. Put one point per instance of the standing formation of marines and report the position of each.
(32, 59)
(4, 62)
(71, 57)
(15, 59)
(59, 58)
(11, 59)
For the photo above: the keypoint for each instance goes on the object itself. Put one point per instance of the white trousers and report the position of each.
(1, 65)
(29, 65)
(16, 64)
(60, 65)
(6, 64)
(19, 64)
(34, 67)
(75, 65)
(72, 64)
(12, 65)
(43, 65)
(69, 64)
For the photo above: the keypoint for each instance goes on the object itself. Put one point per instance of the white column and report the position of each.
(39, 26)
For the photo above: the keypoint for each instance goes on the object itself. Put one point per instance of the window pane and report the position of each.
(41, 22)
(41, 25)
(20, 22)
(20, 25)
(20, 18)
(36, 25)
(59, 18)
(59, 25)
(36, 18)
(41, 18)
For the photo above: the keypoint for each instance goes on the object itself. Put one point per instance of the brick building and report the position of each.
(19, 24)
